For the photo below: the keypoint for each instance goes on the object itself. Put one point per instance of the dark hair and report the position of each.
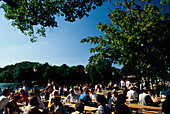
(102, 99)
(56, 93)
(5, 91)
(16, 97)
(56, 98)
(121, 99)
(87, 91)
(22, 90)
(33, 100)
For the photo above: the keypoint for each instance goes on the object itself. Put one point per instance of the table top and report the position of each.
(86, 108)
(135, 105)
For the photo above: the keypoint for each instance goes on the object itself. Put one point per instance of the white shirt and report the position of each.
(93, 96)
(71, 98)
(25, 88)
(127, 84)
(132, 94)
(122, 83)
(3, 101)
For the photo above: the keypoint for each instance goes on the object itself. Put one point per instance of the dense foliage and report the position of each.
(137, 37)
(61, 74)
(31, 17)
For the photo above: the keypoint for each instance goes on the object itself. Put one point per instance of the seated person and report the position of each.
(109, 100)
(102, 108)
(4, 99)
(12, 107)
(85, 98)
(37, 94)
(23, 97)
(57, 107)
(93, 95)
(71, 98)
(114, 96)
(55, 94)
(163, 92)
(145, 99)
(33, 107)
(131, 94)
(166, 104)
(120, 107)
(156, 100)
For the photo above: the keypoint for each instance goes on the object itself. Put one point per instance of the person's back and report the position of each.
(120, 107)
(145, 99)
(3, 99)
(33, 107)
(102, 108)
(85, 98)
(131, 94)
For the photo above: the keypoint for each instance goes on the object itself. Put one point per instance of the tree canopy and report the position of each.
(32, 17)
(63, 74)
(136, 37)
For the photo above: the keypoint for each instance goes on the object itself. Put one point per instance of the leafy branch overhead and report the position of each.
(137, 36)
(31, 17)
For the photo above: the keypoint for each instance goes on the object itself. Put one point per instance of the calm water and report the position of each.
(5, 85)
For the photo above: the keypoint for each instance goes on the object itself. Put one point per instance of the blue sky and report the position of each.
(61, 46)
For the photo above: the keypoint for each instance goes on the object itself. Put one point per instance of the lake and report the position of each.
(5, 85)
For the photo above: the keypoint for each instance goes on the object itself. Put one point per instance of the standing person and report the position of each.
(102, 108)
(24, 87)
(60, 90)
(48, 84)
(53, 84)
(4, 100)
(122, 83)
(120, 107)
(110, 85)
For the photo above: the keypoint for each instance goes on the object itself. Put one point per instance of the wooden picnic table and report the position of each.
(86, 108)
(137, 106)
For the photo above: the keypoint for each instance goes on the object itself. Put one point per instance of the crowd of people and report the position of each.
(83, 95)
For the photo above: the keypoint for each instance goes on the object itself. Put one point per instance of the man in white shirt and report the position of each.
(4, 100)
(93, 95)
(127, 83)
(145, 99)
(122, 83)
(131, 94)
(72, 97)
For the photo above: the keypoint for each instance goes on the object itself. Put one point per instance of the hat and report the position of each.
(24, 81)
